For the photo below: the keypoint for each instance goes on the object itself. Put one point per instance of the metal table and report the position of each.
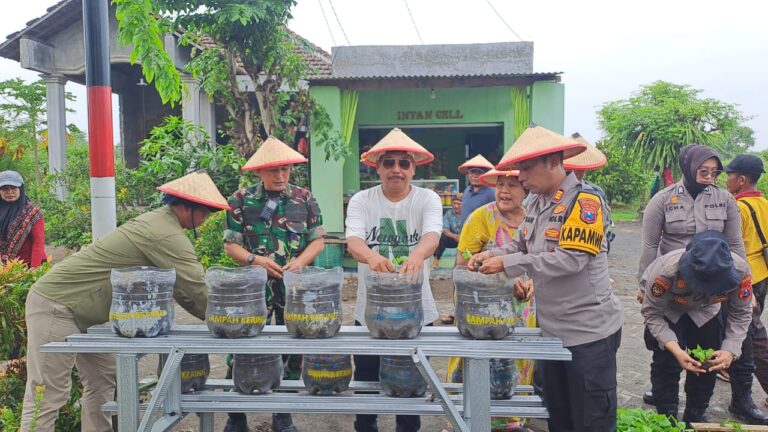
(469, 407)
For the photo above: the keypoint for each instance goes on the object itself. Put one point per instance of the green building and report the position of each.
(455, 100)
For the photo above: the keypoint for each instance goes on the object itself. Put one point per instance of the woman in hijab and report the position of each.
(676, 213)
(22, 232)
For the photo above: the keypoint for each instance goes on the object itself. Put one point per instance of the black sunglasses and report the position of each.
(389, 163)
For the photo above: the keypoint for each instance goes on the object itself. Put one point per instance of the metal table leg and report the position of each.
(422, 364)
(477, 394)
(206, 421)
(127, 392)
(166, 397)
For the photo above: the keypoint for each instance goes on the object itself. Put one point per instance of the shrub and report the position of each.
(15, 282)
(624, 179)
(209, 244)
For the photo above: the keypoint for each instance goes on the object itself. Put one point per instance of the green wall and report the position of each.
(326, 179)
(415, 107)
(548, 105)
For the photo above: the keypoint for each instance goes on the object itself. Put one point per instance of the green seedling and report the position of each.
(701, 354)
(399, 260)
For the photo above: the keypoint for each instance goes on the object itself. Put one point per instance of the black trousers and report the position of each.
(754, 350)
(665, 372)
(367, 369)
(581, 394)
(760, 335)
(445, 243)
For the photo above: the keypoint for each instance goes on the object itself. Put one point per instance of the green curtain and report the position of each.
(521, 109)
(348, 112)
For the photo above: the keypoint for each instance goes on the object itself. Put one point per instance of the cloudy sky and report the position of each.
(606, 49)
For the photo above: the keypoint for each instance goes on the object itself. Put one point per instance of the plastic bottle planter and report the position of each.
(326, 374)
(142, 301)
(503, 378)
(257, 372)
(393, 308)
(313, 302)
(236, 303)
(400, 378)
(484, 304)
(194, 369)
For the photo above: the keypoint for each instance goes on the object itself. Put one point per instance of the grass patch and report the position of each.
(625, 213)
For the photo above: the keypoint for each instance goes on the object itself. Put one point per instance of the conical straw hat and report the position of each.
(476, 162)
(537, 141)
(397, 140)
(592, 158)
(273, 153)
(196, 187)
(492, 177)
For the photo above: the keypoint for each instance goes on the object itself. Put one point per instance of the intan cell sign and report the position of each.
(429, 115)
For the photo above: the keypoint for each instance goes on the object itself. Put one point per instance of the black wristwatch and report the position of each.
(250, 259)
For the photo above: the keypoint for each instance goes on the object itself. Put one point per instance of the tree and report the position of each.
(229, 39)
(661, 118)
(23, 112)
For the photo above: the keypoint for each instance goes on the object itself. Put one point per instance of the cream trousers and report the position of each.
(48, 321)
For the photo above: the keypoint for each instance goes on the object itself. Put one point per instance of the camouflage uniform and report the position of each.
(295, 222)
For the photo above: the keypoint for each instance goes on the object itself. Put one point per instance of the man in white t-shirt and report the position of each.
(389, 221)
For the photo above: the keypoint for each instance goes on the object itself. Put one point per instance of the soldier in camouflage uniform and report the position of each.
(278, 226)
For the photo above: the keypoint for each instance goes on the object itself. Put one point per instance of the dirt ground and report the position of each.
(633, 358)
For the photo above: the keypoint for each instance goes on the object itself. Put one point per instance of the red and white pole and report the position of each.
(100, 144)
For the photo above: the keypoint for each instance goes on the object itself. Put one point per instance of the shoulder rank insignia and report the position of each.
(552, 233)
(659, 287)
(681, 300)
(719, 299)
(583, 229)
(559, 209)
(745, 288)
(558, 196)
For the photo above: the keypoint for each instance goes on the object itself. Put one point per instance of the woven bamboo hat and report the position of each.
(492, 177)
(396, 140)
(273, 153)
(476, 162)
(592, 158)
(537, 141)
(196, 187)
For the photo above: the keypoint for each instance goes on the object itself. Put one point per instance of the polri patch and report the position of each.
(552, 233)
(558, 196)
(745, 287)
(589, 210)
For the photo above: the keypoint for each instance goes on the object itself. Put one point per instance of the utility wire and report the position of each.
(327, 24)
(502, 19)
(414, 22)
(339, 21)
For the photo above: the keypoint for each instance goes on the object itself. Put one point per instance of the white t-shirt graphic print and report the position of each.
(393, 229)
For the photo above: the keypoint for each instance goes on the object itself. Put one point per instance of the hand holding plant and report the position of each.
(720, 360)
(683, 359)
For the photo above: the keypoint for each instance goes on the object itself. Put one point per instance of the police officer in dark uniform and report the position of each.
(684, 290)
